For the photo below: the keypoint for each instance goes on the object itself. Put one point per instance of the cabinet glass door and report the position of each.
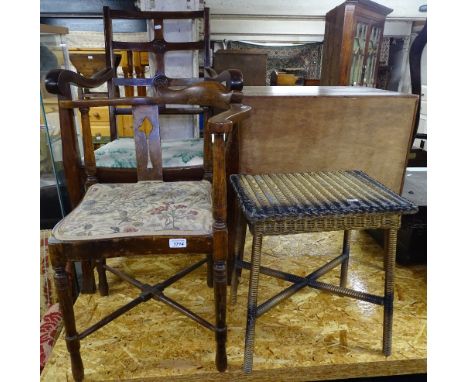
(371, 60)
(359, 48)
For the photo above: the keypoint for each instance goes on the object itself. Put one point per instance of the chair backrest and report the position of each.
(148, 141)
(158, 46)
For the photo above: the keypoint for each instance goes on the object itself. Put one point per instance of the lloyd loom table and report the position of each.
(291, 203)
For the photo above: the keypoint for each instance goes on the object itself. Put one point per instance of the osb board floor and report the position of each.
(311, 336)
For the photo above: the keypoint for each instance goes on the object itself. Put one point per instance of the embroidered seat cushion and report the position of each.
(120, 153)
(139, 209)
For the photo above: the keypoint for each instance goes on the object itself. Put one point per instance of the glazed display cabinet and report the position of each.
(54, 197)
(353, 36)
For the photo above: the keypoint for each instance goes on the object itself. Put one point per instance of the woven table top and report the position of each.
(316, 194)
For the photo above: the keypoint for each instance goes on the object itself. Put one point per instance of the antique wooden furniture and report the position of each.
(150, 217)
(290, 203)
(251, 62)
(353, 36)
(74, 169)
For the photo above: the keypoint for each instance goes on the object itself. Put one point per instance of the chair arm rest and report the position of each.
(58, 81)
(233, 77)
(223, 122)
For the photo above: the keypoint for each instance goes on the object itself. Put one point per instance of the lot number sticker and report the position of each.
(177, 243)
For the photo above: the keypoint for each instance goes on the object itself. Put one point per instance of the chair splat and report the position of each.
(147, 145)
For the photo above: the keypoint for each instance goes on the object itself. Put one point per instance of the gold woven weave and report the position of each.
(318, 194)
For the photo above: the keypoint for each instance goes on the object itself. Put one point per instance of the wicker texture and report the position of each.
(318, 194)
(280, 204)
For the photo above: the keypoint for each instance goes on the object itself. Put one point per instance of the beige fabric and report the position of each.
(139, 209)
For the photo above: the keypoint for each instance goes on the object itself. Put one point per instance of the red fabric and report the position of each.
(48, 295)
(49, 331)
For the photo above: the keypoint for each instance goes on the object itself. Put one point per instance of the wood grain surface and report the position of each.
(312, 336)
(311, 128)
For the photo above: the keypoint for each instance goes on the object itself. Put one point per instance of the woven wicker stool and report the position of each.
(281, 204)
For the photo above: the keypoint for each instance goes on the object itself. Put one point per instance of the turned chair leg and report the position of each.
(220, 285)
(344, 264)
(252, 303)
(88, 284)
(103, 285)
(66, 306)
(389, 266)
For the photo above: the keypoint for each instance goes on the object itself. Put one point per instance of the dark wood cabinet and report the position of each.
(353, 36)
(251, 62)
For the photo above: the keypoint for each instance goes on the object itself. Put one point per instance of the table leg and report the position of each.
(344, 264)
(238, 255)
(389, 266)
(103, 285)
(252, 302)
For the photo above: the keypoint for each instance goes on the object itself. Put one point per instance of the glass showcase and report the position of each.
(54, 198)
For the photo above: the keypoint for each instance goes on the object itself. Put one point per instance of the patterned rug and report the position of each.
(51, 317)
(48, 294)
(304, 56)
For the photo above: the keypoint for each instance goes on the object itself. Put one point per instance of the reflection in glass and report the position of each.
(53, 55)
(359, 46)
(371, 62)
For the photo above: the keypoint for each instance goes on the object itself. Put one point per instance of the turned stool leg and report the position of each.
(389, 266)
(252, 302)
(66, 306)
(103, 286)
(236, 240)
(344, 264)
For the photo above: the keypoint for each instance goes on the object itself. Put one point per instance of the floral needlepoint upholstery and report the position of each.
(139, 209)
(120, 153)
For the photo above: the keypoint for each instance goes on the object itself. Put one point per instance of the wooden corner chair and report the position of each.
(149, 217)
(59, 82)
